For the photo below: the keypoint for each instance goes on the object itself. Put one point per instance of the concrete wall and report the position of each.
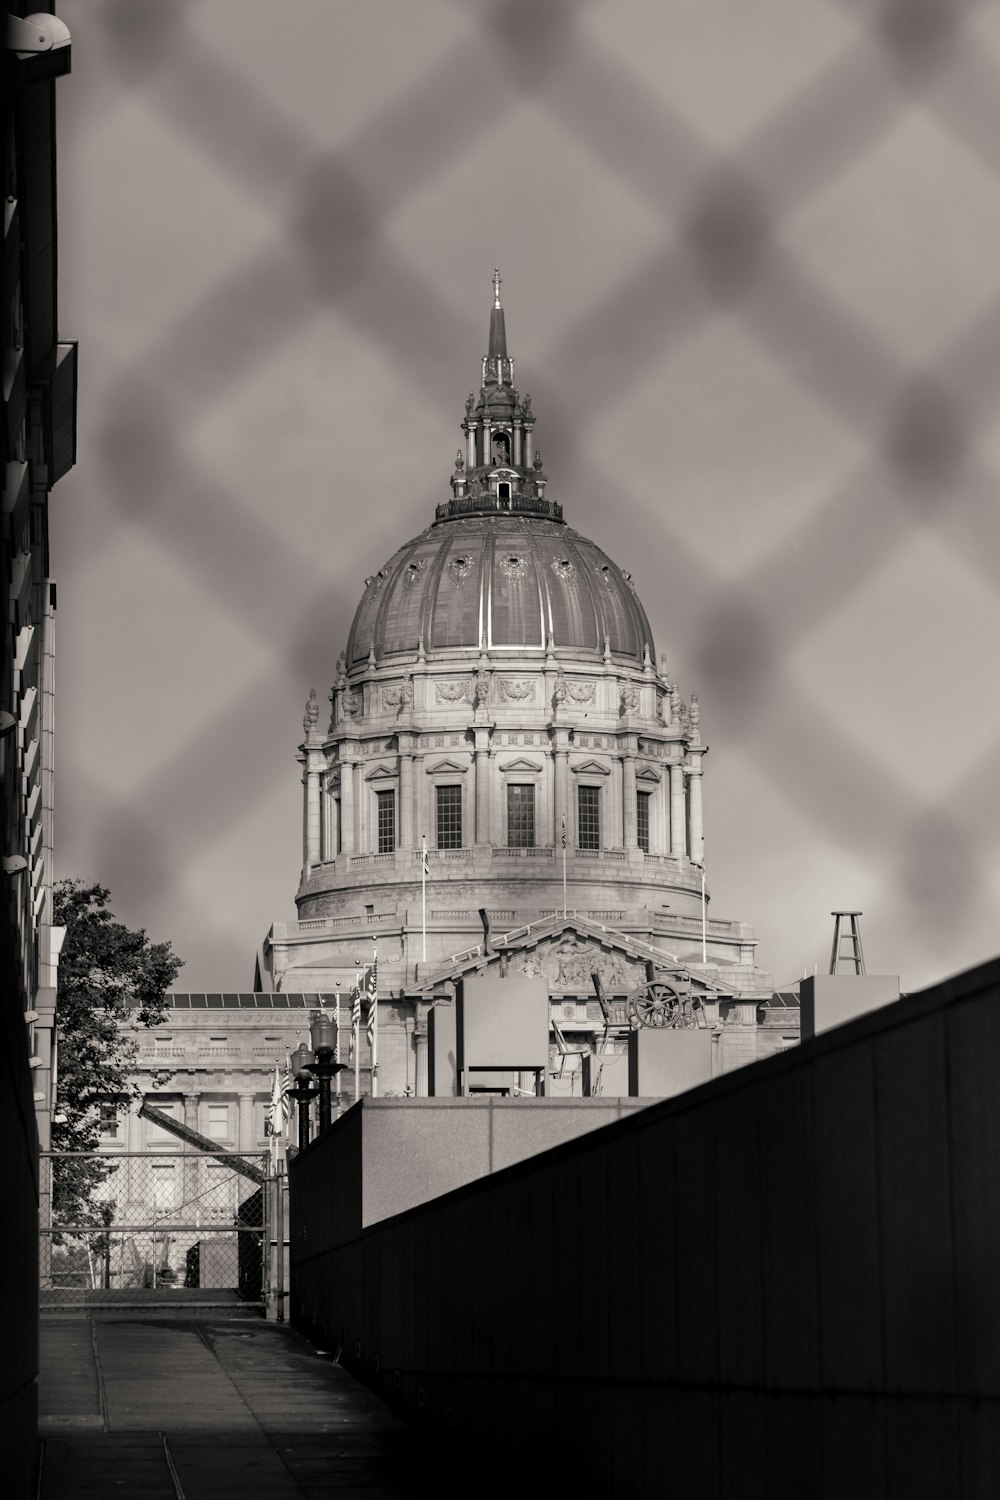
(385, 1156)
(783, 1283)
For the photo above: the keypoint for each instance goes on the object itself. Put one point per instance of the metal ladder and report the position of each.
(852, 937)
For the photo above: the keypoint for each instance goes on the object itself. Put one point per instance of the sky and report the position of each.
(751, 274)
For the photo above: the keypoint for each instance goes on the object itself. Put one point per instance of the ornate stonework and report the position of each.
(516, 689)
(453, 692)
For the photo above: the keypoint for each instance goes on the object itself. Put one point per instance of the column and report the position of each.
(616, 799)
(347, 807)
(360, 844)
(482, 795)
(529, 446)
(420, 1049)
(312, 808)
(406, 807)
(191, 1158)
(694, 794)
(629, 812)
(562, 796)
(470, 445)
(678, 841)
(517, 445)
(247, 1137)
(329, 850)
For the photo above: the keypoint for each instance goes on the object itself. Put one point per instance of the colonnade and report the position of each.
(326, 835)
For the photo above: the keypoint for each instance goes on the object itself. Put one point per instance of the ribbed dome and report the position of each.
(494, 582)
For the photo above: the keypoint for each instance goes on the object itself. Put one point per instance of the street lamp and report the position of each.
(323, 1035)
(301, 1060)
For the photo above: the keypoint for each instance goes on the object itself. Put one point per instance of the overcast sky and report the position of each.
(751, 272)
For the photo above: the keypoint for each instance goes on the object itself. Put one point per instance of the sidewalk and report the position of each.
(169, 1407)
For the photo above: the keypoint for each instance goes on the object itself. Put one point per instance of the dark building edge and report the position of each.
(39, 441)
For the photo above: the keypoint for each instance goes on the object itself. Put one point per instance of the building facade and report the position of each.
(39, 443)
(501, 741)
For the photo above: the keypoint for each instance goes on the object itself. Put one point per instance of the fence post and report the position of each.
(275, 1270)
(45, 1220)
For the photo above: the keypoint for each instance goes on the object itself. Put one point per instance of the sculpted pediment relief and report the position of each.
(568, 962)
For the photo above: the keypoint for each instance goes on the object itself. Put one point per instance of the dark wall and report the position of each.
(783, 1283)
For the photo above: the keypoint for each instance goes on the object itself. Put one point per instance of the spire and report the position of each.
(498, 333)
(499, 469)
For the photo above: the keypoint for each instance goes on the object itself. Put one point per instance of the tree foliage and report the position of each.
(110, 981)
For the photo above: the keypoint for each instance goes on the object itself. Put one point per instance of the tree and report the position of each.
(111, 980)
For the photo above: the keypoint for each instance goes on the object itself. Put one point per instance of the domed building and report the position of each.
(498, 705)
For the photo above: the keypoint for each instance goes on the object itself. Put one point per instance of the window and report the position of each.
(218, 1122)
(386, 822)
(156, 1135)
(520, 816)
(449, 817)
(109, 1121)
(642, 820)
(166, 1187)
(588, 807)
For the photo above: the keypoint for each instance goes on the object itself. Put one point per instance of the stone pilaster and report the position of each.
(406, 803)
(347, 846)
(482, 774)
(629, 810)
(694, 794)
(678, 820)
(247, 1135)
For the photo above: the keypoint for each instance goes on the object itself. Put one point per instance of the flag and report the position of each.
(564, 832)
(424, 863)
(371, 977)
(355, 1012)
(279, 1108)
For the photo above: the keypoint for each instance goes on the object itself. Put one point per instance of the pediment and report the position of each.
(521, 764)
(381, 772)
(447, 768)
(590, 768)
(648, 775)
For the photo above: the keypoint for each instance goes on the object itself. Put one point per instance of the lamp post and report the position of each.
(301, 1061)
(325, 1067)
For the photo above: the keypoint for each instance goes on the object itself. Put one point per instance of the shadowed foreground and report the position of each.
(165, 1405)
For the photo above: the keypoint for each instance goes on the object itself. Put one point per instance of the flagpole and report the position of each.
(423, 899)
(336, 1054)
(374, 1003)
(356, 1035)
(704, 919)
(565, 913)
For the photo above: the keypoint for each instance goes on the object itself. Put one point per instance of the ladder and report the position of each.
(846, 942)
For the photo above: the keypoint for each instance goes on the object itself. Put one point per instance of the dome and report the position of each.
(494, 582)
(498, 570)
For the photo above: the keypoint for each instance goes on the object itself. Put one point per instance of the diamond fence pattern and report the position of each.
(754, 277)
(115, 1227)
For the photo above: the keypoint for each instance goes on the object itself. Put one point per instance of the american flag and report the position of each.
(355, 1013)
(279, 1110)
(564, 832)
(371, 986)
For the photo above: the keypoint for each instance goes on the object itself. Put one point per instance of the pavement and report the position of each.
(202, 1407)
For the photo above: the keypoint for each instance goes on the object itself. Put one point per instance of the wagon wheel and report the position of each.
(654, 1004)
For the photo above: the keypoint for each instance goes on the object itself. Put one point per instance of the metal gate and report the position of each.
(141, 1228)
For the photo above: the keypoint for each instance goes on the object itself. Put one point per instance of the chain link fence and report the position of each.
(141, 1227)
(774, 353)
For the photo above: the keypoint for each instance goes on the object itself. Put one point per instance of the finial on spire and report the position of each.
(496, 288)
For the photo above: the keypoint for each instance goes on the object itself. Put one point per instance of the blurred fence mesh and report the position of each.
(137, 1224)
(912, 381)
